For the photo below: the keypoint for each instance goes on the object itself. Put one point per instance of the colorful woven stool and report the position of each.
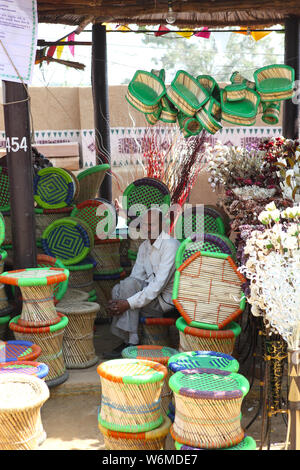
(36, 286)
(81, 275)
(149, 440)
(11, 351)
(54, 188)
(90, 181)
(186, 93)
(156, 331)
(59, 288)
(38, 369)
(161, 354)
(144, 193)
(248, 443)
(100, 215)
(207, 290)
(21, 399)
(4, 190)
(78, 345)
(68, 239)
(106, 254)
(50, 340)
(73, 295)
(131, 391)
(3, 326)
(208, 407)
(45, 217)
(198, 339)
(202, 360)
(275, 82)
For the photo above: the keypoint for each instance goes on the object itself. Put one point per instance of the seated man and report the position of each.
(149, 287)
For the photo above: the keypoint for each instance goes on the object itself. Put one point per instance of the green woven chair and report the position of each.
(186, 93)
(145, 91)
(275, 82)
(242, 112)
(192, 221)
(209, 116)
(189, 125)
(210, 84)
(236, 78)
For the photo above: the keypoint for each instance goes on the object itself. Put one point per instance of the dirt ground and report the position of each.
(70, 415)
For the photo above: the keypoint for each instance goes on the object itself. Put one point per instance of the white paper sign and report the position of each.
(18, 35)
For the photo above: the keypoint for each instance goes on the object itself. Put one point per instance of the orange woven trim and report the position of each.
(229, 443)
(159, 368)
(36, 352)
(208, 333)
(24, 329)
(189, 260)
(56, 278)
(46, 259)
(162, 360)
(33, 324)
(10, 280)
(229, 319)
(181, 311)
(107, 376)
(126, 435)
(161, 321)
(149, 346)
(234, 266)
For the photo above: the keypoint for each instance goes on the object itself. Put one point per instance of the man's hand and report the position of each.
(118, 307)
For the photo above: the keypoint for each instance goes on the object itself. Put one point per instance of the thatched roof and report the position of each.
(151, 12)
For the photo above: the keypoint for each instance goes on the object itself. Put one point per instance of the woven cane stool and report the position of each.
(78, 345)
(208, 407)
(73, 295)
(131, 395)
(199, 339)
(54, 188)
(36, 286)
(81, 275)
(161, 354)
(248, 443)
(156, 331)
(12, 351)
(21, 399)
(106, 253)
(207, 290)
(45, 217)
(149, 440)
(59, 288)
(50, 340)
(100, 215)
(90, 181)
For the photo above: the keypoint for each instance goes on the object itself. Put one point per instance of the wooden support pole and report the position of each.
(101, 105)
(20, 173)
(291, 110)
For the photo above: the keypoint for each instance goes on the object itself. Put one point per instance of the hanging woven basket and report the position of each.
(189, 125)
(275, 82)
(242, 112)
(208, 407)
(207, 290)
(145, 91)
(198, 339)
(271, 112)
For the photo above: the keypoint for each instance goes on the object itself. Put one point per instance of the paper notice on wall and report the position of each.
(18, 39)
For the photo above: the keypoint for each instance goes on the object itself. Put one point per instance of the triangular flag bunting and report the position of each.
(123, 27)
(184, 34)
(51, 51)
(162, 30)
(71, 37)
(60, 49)
(204, 33)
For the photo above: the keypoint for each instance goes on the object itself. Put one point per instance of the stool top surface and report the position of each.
(70, 307)
(213, 384)
(203, 359)
(14, 350)
(39, 369)
(132, 371)
(34, 276)
(54, 188)
(159, 354)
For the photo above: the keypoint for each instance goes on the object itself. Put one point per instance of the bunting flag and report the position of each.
(123, 27)
(59, 49)
(162, 30)
(71, 37)
(51, 51)
(256, 35)
(204, 33)
(185, 33)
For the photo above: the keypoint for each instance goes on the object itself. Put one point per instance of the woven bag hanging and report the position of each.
(208, 407)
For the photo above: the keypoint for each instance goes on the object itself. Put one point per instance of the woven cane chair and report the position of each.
(90, 181)
(207, 290)
(186, 93)
(192, 221)
(243, 111)
(209, 116)
(145, 192)
(145, 91)
(275, 82)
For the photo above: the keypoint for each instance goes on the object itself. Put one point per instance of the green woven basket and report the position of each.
(275, 82)
(186, 93)
(145, 91)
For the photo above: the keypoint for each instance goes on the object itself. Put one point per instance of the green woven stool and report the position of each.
(90, 181)
(207, 290)
(54, 188)
(131, 391)
(68, 239)
(248, 443)
(186, 93)
(202, 360)
(208, 407)
(145, 91)
(275, 82)
(192, 221)
(200, 339)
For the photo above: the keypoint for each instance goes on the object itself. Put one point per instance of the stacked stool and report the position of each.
(39, 322)
(157, 331)
(161, 354)
(131, 404)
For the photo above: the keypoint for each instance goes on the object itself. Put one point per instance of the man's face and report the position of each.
(152, 225)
